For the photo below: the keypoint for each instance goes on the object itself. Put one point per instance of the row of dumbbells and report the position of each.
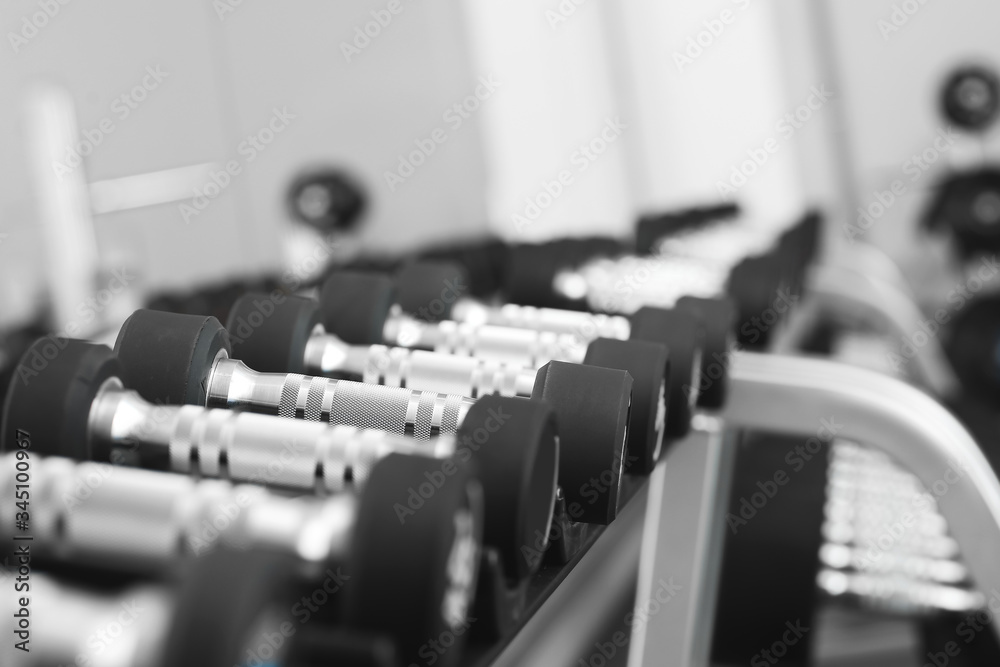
(478, 431)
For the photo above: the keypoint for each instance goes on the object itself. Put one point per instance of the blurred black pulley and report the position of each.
(327, 199)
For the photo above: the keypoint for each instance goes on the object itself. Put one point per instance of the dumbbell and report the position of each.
(653, 227)
(361, 309)
(148, 523)
(77, 407)
(272, 346)
(697, 320)
(171, 358)
(706, 262)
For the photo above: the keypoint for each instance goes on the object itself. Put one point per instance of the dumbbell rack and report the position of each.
(673, 524)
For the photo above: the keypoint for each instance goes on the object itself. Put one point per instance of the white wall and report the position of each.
(226, 73)
(889, 81)
(557, 100)
(702, 81)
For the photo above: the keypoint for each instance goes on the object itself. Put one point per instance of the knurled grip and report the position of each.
(421, 414)
(586, 326)
(525, 347)
(466, 376)
(296, 454)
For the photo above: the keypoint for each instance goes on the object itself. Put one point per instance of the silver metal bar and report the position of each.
(796, 396)
(682, 545)
(565, 625)
(848, 295)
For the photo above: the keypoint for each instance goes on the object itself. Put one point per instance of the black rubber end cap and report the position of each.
(428, 290)
(514, 443)
(591, 405)
(530, 275)
(221, 601)
(168, 357)
(354, 306)
(718, 316)
(417, 544)
(649, 365)
(269, 334)
(50, 394)
(753, 285)
(682, 333)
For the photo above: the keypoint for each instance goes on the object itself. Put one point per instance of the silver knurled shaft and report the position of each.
(467, 376)
(586, 326)
(524, 347)
(421, 414)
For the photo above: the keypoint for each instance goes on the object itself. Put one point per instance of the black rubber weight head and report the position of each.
(49, 397)
(513, 441)
(530, 275)
(270, 335)
(428, 290)
(591, 405)
(649, 365)
(719, 319)
(416, 545)
(354, 306)
(168, 357)
(225, 602)
(682, 332)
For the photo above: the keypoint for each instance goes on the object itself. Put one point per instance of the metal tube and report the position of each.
(797, 396)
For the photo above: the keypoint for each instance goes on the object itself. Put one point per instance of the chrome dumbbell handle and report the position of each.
(586, 325)
(468, 376)
(242, 446)
(75, 625)
(143, 520)
(624, 286)
(529, 348)
(402, 367)
(421, 414)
